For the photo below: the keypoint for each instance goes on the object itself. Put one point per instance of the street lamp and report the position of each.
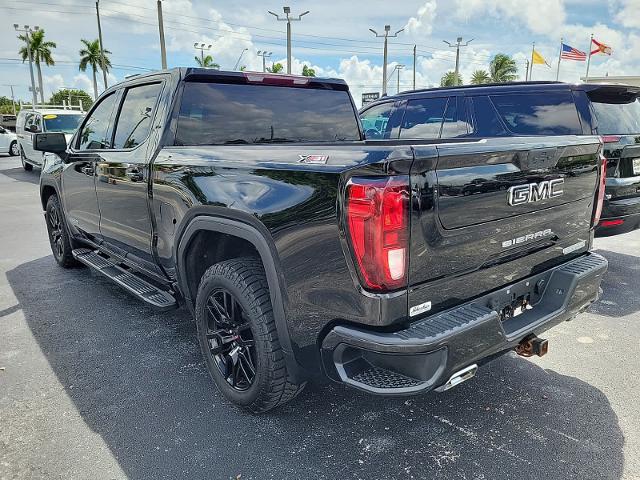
(264, 54)
(202, 47)
(27, 31)
(387, 29)
(457, 46)
(240, 58)
(288, 19)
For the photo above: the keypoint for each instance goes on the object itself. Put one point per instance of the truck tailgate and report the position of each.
(497, 210)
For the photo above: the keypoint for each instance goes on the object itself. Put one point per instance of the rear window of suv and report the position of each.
(618, 118)
(227, 114)
(539, 113)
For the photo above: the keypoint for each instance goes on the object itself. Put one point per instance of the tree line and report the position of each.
(502, 69)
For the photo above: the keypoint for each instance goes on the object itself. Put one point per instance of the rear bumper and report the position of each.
(424, 355)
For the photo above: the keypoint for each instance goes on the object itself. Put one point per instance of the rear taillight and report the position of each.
(601, 187)
(610, 138)
(378, 229)
(611, 223)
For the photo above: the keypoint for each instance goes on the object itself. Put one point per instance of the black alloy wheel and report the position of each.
(61, 242)
(231, 342)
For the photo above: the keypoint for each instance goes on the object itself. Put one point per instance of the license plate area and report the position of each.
(636, 166)
(519, 298)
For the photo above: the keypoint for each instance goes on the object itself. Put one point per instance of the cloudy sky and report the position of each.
(334, 38)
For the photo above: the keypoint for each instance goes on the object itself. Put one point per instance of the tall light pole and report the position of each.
(264, 54)
(240, 57)
(287, 18)
(163, 48)
(202, 47)
(387, 29)
(457, 46)
(13, 98)
(414, 67)
(398, 68)
(27, 31)
(104, 70)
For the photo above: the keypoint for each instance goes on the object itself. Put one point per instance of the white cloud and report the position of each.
(423, 23)
(629, 15)
(544, 17)
(52, 83)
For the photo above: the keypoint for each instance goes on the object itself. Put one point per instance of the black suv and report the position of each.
(302, 249)
(529, 109)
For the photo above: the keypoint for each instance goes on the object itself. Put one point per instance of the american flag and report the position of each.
(570, 53)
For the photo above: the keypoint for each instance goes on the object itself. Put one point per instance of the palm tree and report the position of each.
(503, 68)
(90, 55)
(275, 68)
(449, 79)
(308, 71)
(40, 52)
(479, 77)
(207, 62)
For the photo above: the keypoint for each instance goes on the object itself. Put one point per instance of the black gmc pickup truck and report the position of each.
(394, 266)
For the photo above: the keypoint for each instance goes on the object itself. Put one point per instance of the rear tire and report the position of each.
(14, 151)
(59, 238)
(27, 166)
(238, 337)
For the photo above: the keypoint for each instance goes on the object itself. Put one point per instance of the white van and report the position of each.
(45, 119)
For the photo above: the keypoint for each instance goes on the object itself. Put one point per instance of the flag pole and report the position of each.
(559, 59)
(586, 77)
(533, 50)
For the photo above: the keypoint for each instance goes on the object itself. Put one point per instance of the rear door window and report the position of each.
(486, 122)
(227, 114)
(552, 113)
(136, 115)
(455, 122)
(423, 118)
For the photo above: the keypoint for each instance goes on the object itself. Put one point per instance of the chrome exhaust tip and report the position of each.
(459, 377)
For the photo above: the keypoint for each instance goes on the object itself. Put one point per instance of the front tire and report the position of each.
(238, 338)
(14, 151)
(58, 234)
(27, 166)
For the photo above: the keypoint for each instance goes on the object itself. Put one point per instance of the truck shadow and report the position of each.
(137, 379)
(21, 175)
(620, 295)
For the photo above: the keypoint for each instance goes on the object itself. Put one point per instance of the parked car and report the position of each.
(41, 120)
(531, 109)
(8, 122)
(303, 250)
(8, 142)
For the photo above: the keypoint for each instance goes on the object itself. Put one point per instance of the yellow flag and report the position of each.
(537, 58)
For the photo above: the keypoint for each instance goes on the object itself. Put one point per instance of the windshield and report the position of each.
(66, 123)
(618, 118)
(218, 114)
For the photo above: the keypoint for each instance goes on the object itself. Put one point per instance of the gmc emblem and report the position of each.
(534, 192)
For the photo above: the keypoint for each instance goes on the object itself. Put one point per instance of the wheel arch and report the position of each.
(256, 234)
(46, 191)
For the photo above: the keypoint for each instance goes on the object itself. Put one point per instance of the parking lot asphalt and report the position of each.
(93, 384)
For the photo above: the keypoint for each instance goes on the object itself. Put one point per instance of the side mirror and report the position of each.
(52, 143)
(34, 129)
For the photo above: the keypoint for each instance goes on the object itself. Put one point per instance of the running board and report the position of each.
(128, 280)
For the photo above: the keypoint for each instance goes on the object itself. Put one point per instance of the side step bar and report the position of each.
(132, 283)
